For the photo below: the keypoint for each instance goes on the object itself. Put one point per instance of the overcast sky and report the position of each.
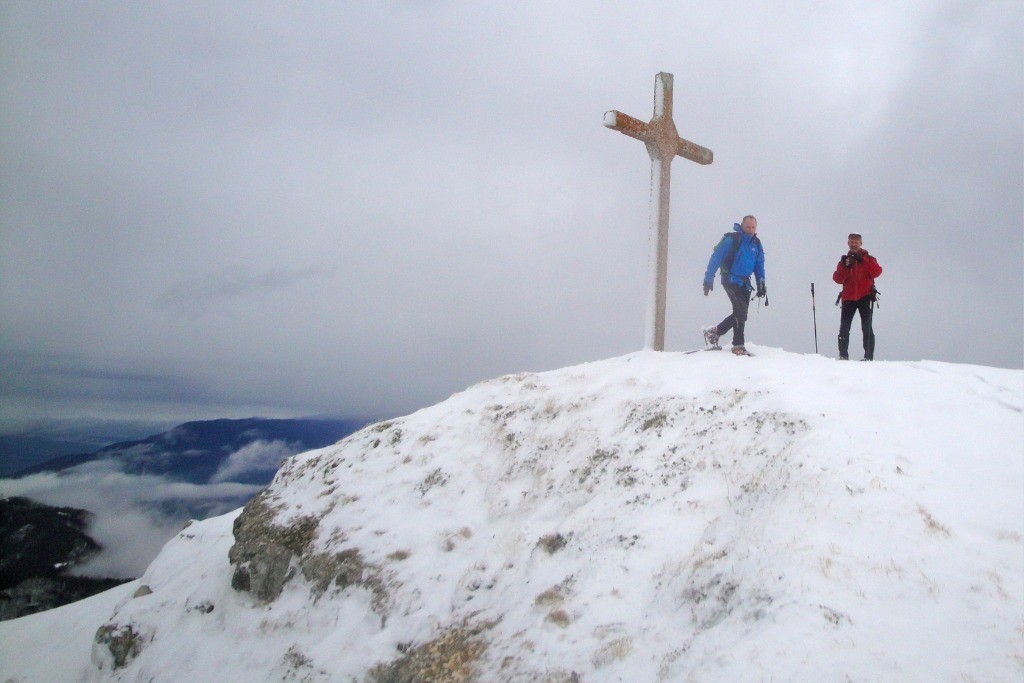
(221, 209)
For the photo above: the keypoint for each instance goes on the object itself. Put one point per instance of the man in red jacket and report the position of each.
(856, 272)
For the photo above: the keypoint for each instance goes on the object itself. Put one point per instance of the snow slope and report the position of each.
(653, 517)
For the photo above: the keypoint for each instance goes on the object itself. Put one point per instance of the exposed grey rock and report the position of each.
(267, 555)
(123, 642)
(264, 550)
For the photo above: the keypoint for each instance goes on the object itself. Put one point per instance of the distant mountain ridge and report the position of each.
(196, 451)
(21, 451)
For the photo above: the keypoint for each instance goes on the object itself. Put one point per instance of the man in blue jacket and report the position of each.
(739, 255)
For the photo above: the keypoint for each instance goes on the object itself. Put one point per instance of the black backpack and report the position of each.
(726, 268)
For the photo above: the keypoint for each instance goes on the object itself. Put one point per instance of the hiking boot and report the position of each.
(843, 356)
(739, 351)
(711, 337)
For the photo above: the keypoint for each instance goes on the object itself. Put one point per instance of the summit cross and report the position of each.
(663, 144)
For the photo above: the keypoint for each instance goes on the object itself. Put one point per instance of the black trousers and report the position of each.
(739, 296)
(863, 306)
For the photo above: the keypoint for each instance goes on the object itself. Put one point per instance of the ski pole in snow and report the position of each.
(814, 312)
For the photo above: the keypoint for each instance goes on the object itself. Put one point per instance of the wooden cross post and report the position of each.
(663, 145)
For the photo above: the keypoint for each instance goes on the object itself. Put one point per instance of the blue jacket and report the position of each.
(749, 259)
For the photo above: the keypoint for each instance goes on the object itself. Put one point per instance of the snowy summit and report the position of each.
(653, 517)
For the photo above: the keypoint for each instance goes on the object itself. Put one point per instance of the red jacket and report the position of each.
(859, 278)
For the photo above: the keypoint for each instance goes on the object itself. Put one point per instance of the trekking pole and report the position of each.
(814, 312)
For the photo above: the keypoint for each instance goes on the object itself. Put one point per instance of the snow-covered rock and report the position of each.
(653, 517)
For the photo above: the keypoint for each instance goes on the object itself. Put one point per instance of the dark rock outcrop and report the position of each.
(38, 544)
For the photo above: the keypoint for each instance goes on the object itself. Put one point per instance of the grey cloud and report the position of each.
(78, 377)
(192, 299)
(366, 206)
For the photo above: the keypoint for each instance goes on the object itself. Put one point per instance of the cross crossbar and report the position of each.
(638, 130)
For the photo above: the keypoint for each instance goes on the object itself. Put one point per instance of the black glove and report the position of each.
(761, 289)
(846, 260)
(708, 286)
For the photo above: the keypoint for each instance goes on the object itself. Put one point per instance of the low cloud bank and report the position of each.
(134, 515)
(257, 457)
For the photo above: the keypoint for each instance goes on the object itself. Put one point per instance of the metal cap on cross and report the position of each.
(663, 144)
